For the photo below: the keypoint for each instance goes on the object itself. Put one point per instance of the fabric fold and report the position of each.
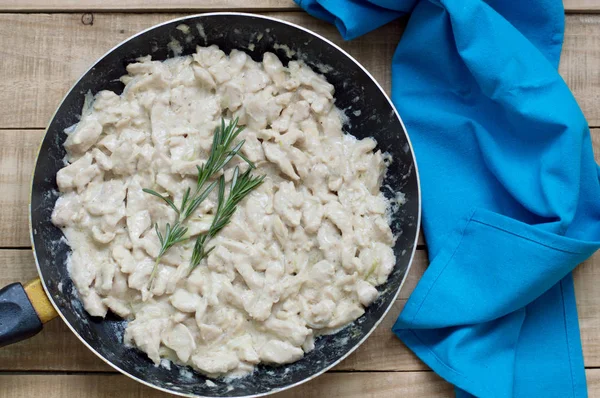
(502, 263)
(510, 189)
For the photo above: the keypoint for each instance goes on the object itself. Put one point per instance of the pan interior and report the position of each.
(369, 114)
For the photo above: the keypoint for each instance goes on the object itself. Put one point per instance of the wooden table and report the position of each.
(45, 45)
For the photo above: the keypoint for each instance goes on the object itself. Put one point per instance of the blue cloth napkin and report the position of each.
(511, 192)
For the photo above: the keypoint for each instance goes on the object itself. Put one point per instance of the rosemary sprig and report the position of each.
(172, 236)
(241, 186)
(219, 157)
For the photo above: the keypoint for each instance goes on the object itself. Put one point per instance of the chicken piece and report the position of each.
(243, 347)
(312, 214)
(366, 293)
(339, 217)
(280, 352)
(319, 314)
(208, 56)
(287, 203)
(276, 154)
(117, 306)
(146, 335)
(203, 77)
(104, 197)
(252, 148)
(262, 108)
(184, 301)
(216, 362)
(84, 136)
(345, 312)
(330, 242)
(209, 333)
(180, 340)
(82, 271)
(93, 304)
(291, 331)
(67, 210)
(377, 262)
(274, 68)
(78, 174)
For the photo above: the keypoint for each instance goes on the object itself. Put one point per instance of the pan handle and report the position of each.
(23, 311)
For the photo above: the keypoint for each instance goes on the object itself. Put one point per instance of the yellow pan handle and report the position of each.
(39, 300)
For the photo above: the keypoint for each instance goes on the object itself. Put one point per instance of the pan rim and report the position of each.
(414, 245)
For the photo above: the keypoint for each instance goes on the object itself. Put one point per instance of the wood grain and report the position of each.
(329, 385)
(44, 352)
(579, 63)
(44, 54)
(587, 277)
(584, 6)
(145, 5)
(193, 5)
(595, 133)
(382, 351)
(41, 56)
(18, 149)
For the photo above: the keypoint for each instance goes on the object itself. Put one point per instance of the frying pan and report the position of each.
(23, 309)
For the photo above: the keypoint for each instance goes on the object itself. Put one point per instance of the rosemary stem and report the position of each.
(221, 154)
(154, 271)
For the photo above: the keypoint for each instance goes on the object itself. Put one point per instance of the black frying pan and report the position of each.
(24, 309)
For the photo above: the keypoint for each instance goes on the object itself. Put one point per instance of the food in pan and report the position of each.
(219, 207)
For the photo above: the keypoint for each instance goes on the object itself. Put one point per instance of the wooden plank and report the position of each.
(593, 382)
(18, 150)
(583, 6)
(330, 385)
(595, 133)
(44, 54)
(46, 351)
(144, 5)
(16, 160)
(42, 352)
(587, 279)
(17, 156)
(192, 5)
(579, 60)
(38, 81)
(382, 351)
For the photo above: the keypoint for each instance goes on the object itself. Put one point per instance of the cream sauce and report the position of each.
(304, 251)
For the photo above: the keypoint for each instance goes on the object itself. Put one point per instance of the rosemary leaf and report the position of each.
(166, 199)
(241, 186)
(221, 154)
